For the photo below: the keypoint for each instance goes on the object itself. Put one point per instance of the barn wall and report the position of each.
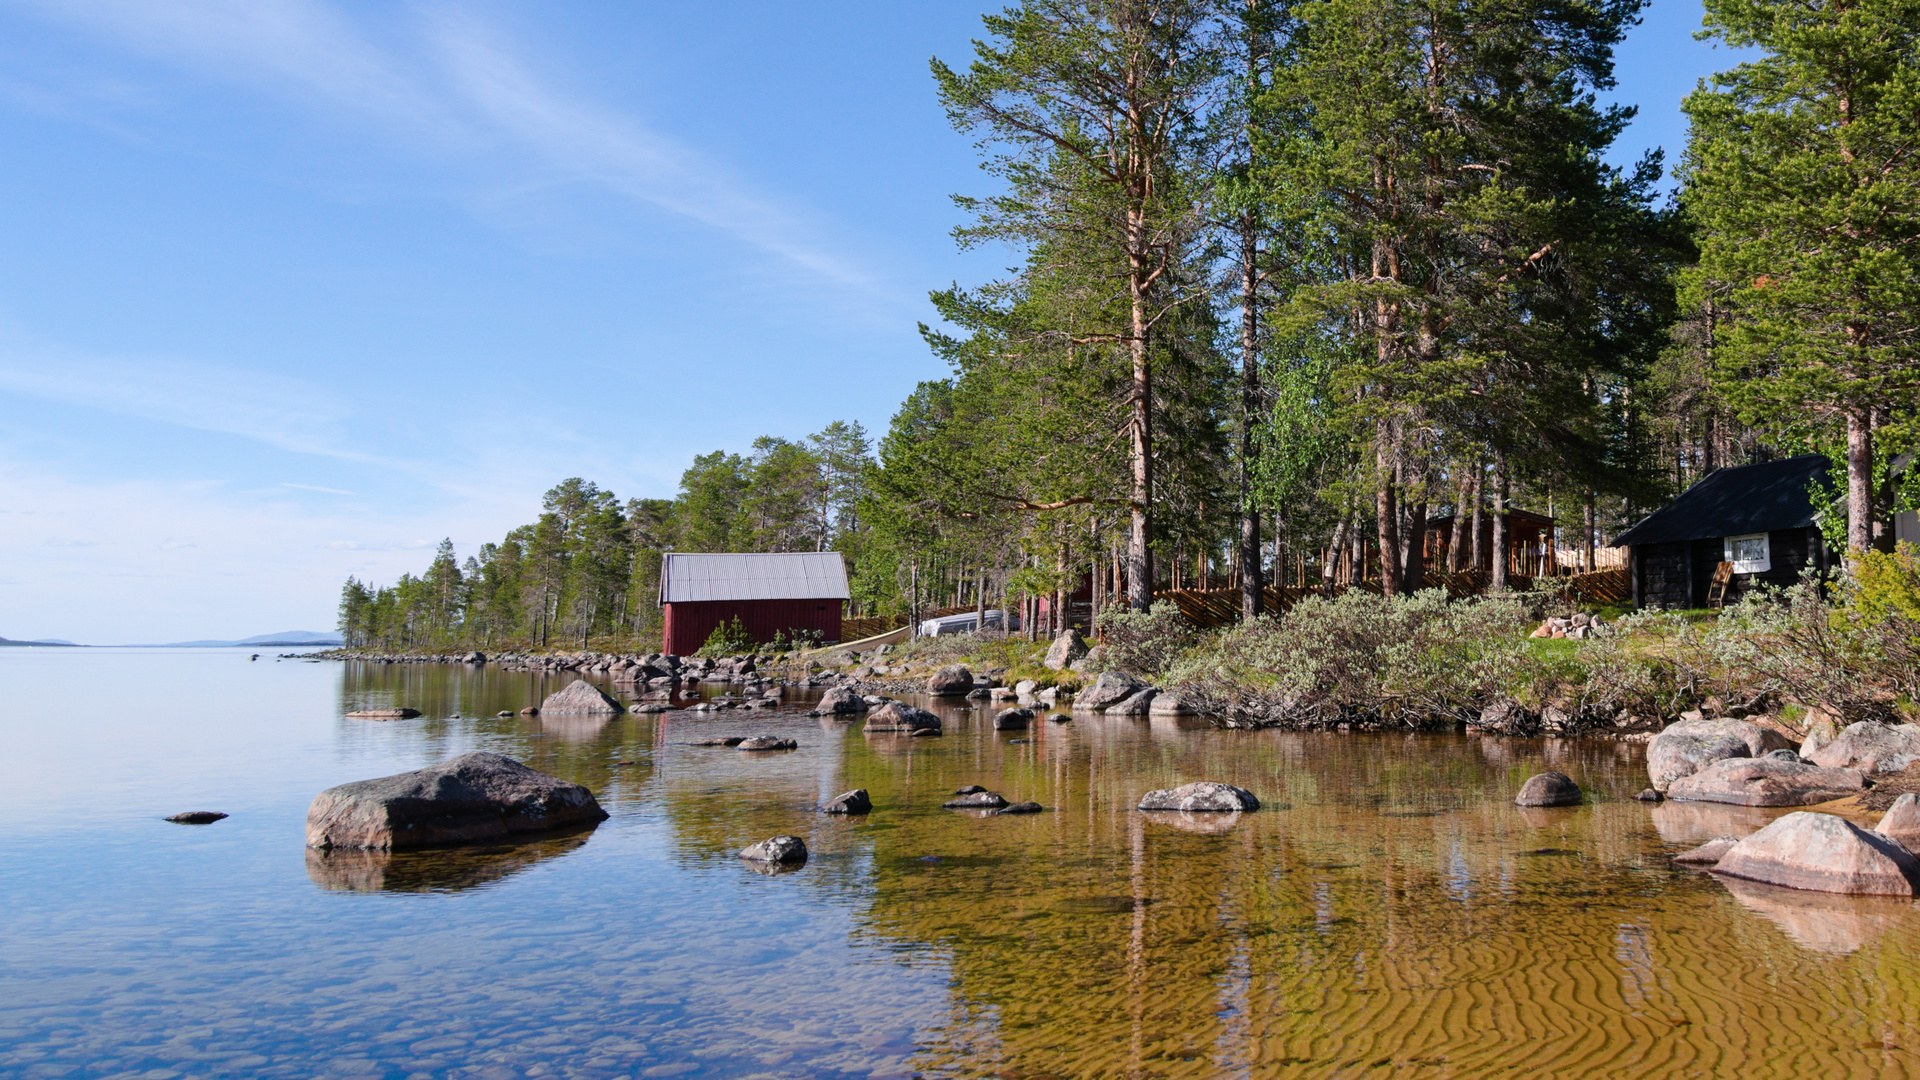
(689, 623)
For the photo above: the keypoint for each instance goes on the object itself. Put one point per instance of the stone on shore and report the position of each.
(474, 657)
(979, 800)
(838, 700)
(898, 716)
(384, 714)
(954, 680)
(1870, 747)
(196, 817)
(1139, 703)
(1204, 796)
(1171, 705)
(1823, 853)
(1692, 744)
(1548, 789)
(1066, 649)
(1013, 720)
(1901, 822)
(776, 849)
(475, 797)
(1111, 688)
(1709, 853)
(1766, 782)
(580, 697)
(856, 801)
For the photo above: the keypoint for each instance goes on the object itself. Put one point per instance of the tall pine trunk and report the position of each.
(1501, 539)
(1859, 481)
(1250, 583)
(1139, 533)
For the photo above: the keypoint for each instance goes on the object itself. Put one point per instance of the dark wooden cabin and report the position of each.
(772, 595)
(1760, 518)
(1529, 543)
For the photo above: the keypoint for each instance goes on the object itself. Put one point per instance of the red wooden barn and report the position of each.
(772, 595)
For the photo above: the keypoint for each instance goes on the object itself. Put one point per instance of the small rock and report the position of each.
(968, 790)
(1021, 808)
(196, 817)
(384, 714)
(1548, 789)
(776, 849)
(1013, 720)
(1025, 687)
(503, 713)
(1060, 718)
(979, 800)
(1204, 796)
(581, 696)
(1648, 795)
(1709, 853)
(531, 710)
(853, 802)
(924, 733)
(725, 740)
(767, 742)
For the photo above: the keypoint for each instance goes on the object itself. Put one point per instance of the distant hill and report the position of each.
(38, 641)
(286, 637)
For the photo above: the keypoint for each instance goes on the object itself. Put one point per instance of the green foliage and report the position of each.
(727, 639)
(1885, 586)
(1145, 643)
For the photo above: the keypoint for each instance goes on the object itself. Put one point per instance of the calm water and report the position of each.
(1389, 914)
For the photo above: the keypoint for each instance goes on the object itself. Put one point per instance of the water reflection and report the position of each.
(435, 869)
(1823, 922)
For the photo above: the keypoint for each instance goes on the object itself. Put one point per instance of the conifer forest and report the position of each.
(1293, 279)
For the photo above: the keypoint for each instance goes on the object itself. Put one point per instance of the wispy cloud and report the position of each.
(315, 487)
(449, 80)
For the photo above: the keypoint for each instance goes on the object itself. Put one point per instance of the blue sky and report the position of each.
(295, 288)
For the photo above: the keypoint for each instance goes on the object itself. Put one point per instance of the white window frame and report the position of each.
(1748, 566)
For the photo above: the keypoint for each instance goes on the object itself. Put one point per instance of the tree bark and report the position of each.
(1588, 541)
(1250, 591)
(1501, 540)
(1479, 518)
(1386, 513)
(1859, 482)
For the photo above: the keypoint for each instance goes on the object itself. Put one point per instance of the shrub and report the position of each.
(727, 639)
(1145, 643)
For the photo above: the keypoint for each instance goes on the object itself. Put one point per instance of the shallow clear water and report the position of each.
(1388, 913)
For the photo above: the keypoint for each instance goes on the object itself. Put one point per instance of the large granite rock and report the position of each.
(580, 697)
(1066, 649)
(1823, 853)
(474, 797)
(1691, 745)
(950, 681)
(776, 849)
(1766, 782)
(1870, 747)
(898, 716)
(1139, 703)
(838, 701)
(1548, 789)
(1204, 796)
(1901, 822)
(1111, 688)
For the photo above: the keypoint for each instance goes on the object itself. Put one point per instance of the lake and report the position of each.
(1388, 912)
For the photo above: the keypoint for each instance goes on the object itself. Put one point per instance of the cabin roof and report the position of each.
(807, 575)
(1731, 502)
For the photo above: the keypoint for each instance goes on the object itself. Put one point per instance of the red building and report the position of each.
(771, 595)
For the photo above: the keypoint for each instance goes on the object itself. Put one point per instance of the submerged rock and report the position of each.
(979, 800)
(580, 697)
(1823, 853)
(473, 797)
(1021, 808)
(1709, 853)
(1766, 782)
(856, 801)
(724, 740)
(1204, 796)
(950, 681)
(384, 714)
(767, 742)
(776, 849)
(898, 716)
(196, 817)
(1870, 747)
(1548, 789)
(968, 789)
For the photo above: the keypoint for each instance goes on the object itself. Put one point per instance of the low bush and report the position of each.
(727, 639)
(1145, 643)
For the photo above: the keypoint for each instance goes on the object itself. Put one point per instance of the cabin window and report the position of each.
(1749, 554)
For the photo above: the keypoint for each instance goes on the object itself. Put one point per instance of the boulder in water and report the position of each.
(474, 797)
(766, 742)
(580, 697)
(1766, 782)
(856, 801)
(384, 714)
(1111, 688)
(898, 716)
(979, 800)
(776, 849)
(1548, 789)
(1013, 720)
(1204, 796)
(839, 700)
(1823, 853)
(954, 680)
(196, 817)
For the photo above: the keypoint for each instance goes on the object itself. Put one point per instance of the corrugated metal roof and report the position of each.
(807, 575)
(1732, 502)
